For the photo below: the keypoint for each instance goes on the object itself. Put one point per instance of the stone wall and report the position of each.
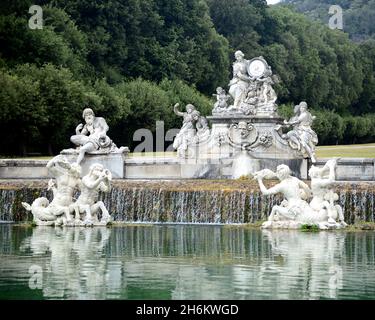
(357, 169)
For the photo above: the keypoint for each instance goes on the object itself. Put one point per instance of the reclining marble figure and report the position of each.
(295, 210)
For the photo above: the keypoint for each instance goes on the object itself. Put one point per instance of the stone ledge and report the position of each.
(22, 163)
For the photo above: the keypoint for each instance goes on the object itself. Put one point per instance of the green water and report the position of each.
(184, 262)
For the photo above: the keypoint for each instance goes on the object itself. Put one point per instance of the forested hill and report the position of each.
(131, 60)
(359, 15)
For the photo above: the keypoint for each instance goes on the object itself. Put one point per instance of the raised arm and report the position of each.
(175, 109)
(91, 185)
(56, 166)
(331, 165)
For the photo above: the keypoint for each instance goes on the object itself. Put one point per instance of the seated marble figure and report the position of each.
(296, 210)
(92, 138)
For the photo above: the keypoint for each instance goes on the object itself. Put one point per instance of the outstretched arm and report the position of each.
(56, 166)
(243, 77)
(274, 190)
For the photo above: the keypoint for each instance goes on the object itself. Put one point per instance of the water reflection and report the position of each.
(185, 262)
(310, 261)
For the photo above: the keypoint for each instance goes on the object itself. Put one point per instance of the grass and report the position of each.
(310, 228)
(347, 151)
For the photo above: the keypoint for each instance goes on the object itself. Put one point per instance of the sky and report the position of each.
(272, 1)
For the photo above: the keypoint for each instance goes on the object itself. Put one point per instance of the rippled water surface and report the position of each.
(184, 262)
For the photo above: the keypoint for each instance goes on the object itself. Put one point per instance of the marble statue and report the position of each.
(187, 131)
(58, 211)
(294, 190)
(268, 94)
(295, 210)
(239, 84)
(201, 124)
(251, 88)
(98, 179)
(91, 137)
(64, 185)
(194, 130)
(302, 137)
(322, 181)
(222, 98)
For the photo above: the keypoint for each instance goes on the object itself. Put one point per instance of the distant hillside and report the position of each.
(359, 15)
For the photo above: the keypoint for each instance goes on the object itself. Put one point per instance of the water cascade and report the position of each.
(198, 201)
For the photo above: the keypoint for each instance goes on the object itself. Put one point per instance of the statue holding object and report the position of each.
(302, 137)
(92, 138)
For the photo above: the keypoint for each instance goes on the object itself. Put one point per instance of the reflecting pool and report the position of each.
(184, 262)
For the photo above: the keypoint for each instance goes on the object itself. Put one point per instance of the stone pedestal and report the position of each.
(115, 162)
(249, 144)
(255, 134)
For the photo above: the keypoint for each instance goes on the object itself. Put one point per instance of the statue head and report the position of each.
(189, 108)
(89, 115)
(196, 115)
(220, 90)
(283, 172)
(296, 109)
(96, 170)
(303, 106)
(239, 55)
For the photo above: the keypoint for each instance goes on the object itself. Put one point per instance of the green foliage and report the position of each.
(45, 103)
(310, 228)
(131, 61)
(61, 96)
(152, 39)
(150, 102)
(358, 15)
(20, 114)
(180, 92)
(239, 21)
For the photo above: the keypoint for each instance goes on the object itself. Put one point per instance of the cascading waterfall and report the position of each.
(188, 201)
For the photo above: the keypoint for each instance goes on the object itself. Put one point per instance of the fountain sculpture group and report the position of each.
(248, 133)
(250, 127)
(63, 209)
(295, 210)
